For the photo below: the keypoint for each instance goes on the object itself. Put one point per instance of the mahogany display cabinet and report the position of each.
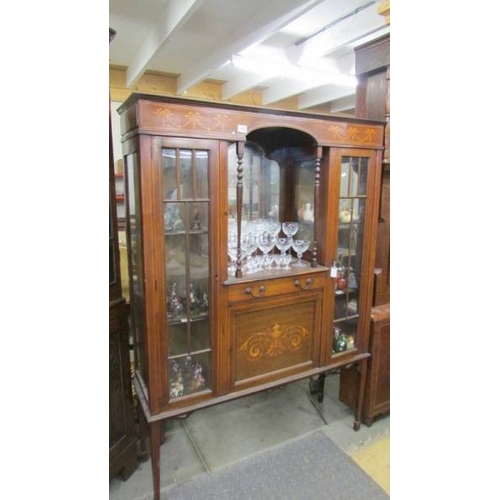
(250, 237)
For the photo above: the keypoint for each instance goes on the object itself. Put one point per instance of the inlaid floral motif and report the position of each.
(275, 341)
(194, 120)
(353, 133)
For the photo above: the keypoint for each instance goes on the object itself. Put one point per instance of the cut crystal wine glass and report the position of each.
(283, 244)
(266, 243)
(300, 246)
(290, 228)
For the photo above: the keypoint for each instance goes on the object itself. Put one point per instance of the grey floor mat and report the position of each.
(310, 468)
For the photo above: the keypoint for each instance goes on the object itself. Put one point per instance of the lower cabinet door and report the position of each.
(274, 337)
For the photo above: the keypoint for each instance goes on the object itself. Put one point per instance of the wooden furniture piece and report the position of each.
(373, 101)
(218, 312)
(377, 395)
(122, 435)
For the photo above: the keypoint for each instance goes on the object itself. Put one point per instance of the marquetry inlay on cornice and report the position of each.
(174, 118)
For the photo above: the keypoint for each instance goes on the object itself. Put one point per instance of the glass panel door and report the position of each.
(186, 206)
(352, 202)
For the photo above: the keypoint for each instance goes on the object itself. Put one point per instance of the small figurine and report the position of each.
(341, 343)
(196, 222)
(198, 379)
(194, 301)
(177, 380)
(175, 308)
(204, 302)
(351, 279)
(176, 388)
(350, 342)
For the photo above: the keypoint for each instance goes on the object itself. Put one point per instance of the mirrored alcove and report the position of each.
(277, 201)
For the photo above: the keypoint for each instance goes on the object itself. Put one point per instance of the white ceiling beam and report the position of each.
(323, 94)
(261, 63)
(288, 88)
(171, 21)
(345, 32)
(343, 104)
(319, 73)
(241, 84)
(264, 23)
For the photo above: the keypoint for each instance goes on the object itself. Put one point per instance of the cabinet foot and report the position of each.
(313, 386)
(356, 425)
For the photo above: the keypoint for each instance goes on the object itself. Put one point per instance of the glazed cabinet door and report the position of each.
(171, 206)
(188, 185)
(354, 182)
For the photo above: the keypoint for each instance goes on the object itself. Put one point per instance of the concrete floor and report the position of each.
(214, 437)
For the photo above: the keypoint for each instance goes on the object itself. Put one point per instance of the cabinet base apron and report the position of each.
(154, 421)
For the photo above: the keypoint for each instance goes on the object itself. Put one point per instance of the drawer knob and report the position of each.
(308, 282)
(262, 290)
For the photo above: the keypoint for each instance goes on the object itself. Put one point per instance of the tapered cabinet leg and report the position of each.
(155, 433)
(361, 393)
(321, 387)
(143, 430)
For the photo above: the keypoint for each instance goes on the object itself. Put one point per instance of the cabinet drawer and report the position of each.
(259, 289)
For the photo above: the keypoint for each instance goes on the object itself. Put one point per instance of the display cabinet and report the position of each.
(122, 434)
(250, 238)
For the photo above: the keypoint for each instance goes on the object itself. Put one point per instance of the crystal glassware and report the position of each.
(300, 246)
(287, 258)
(290, 228)
(266, 243)
(283, 244)
(232, 252)
(249, 246)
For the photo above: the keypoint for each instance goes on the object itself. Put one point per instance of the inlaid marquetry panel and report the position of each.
(273, 337)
